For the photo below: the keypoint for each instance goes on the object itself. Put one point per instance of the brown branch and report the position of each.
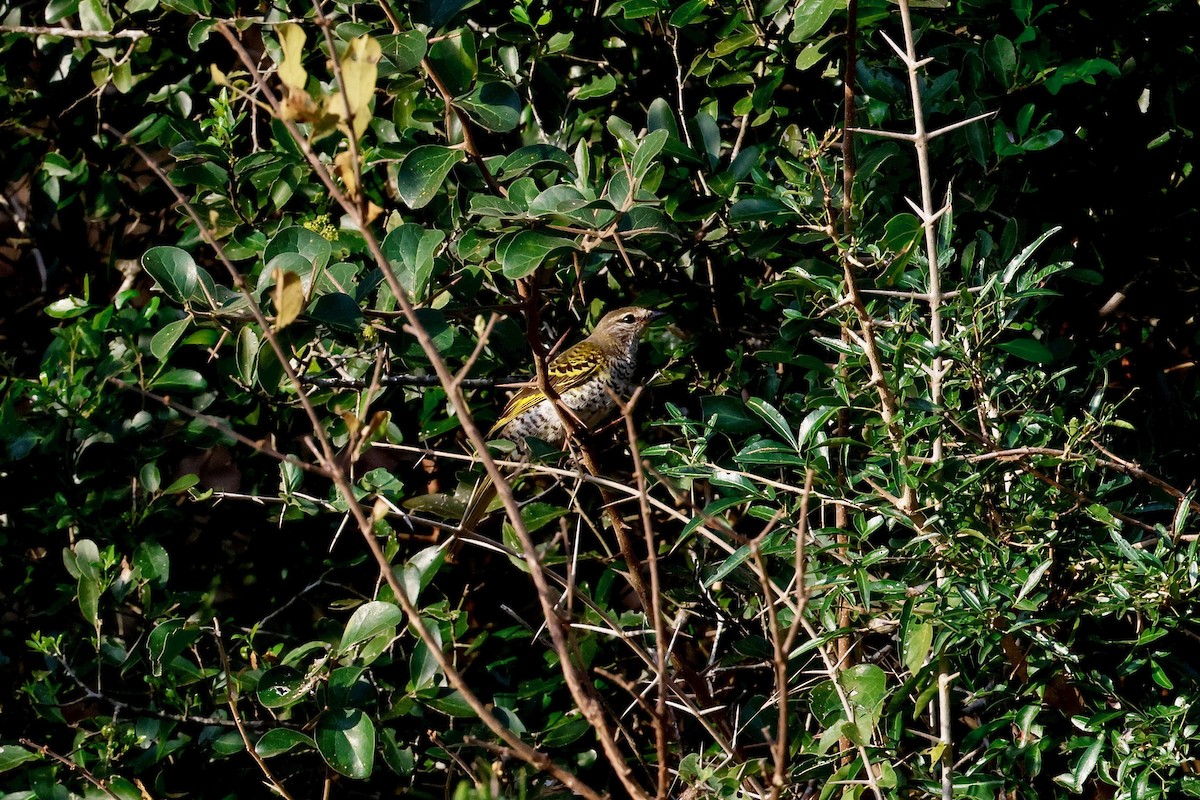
(231, 686)
(581, 692)
(45, 750)
(659, 718)
(464, 122)
(218, 424)
(71, 33)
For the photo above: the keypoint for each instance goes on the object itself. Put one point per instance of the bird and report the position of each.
(588, 378)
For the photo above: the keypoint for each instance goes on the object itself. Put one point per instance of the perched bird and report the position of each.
(585, 376)
(582, 376)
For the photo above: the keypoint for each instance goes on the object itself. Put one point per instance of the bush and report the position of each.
(878, 525)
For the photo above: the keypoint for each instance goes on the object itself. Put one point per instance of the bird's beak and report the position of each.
(656, 315)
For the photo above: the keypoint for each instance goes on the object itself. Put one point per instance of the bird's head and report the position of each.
(622, 328)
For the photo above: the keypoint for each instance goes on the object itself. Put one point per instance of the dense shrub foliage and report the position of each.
(903, 510)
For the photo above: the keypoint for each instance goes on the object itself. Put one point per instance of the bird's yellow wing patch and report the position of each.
(576, 366)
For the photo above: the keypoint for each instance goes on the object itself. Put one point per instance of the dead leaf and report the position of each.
(291, 42)
(289, 297)
(360, 70)
(344, 162)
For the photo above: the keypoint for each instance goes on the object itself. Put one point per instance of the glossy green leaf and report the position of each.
(729, 414)
(167, 336)
(338, 311)
(1028, 350)
(345, 738)
(410, 249)
(811, 16)
(423, 171)
(177, 380)
(368, 620)
(174, 271)
(520, 255)
(278, 741)
(495, 105)
(405, 50)
(283, 686)
(13, 756)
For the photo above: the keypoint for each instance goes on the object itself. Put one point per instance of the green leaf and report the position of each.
(175, 380)
(729, 414)
(521, 254)
(422, 172)
(1042, 140)
(494, 105)
(168, 640)
(68, 308)
(405, 50)
(247, 355)
(811, 16)
(58, 9)
(410, 249)
(436, 13)
(452, 704)
(173, 270)
(338, 311)
(345, 738)
(648, 149)
(89, 597)
(311, 246)
(12, 756)
(1001, 59)
(163, 341)
(280, 687)
(152, 561)
(770, 415)
(368, 620)
(1029, 350)
(916, 642)
(419, 570)
(1077, 777)
(756, 209)
(536, 156)
(599, 86)
(280, 740)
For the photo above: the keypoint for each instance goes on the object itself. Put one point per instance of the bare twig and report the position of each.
(72, 33)
(71, 765)
(231, 688)
(581, 691)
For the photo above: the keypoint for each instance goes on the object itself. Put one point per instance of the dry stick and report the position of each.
(217, 424)
(351, 137)
(240, 284)
(783, 647)
(330, 470)
(929, 216)
(231, 687)
(581, 692)
(71, 765)
(849, 166)
(660, 635)
(921, 143)
(71, 33)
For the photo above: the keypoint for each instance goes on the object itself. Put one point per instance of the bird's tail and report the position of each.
(477, 506)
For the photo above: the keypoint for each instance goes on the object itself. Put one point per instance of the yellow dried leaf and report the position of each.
(291, 42)
(219, 78)
(379, 510)
(360, 70)
(288, 295)
(344, 163)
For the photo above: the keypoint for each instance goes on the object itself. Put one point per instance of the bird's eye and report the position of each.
(629, 319)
